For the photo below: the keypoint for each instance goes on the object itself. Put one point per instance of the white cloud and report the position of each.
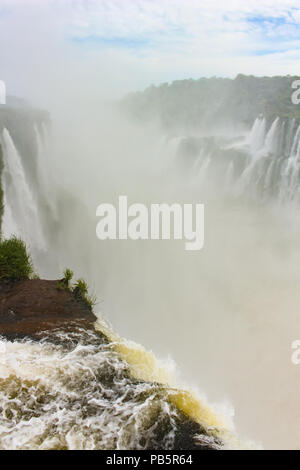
(191, 27)
(144, 41)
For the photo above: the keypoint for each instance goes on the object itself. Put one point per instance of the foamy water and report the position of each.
(87, 396)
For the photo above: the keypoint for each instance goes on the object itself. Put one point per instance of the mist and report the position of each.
(226, 315)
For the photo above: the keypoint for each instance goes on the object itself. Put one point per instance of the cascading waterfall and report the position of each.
(21, 216)
(269, 167)
(273, 170)
(203, 169)
(264, 165)
(265, 148)
(44, 171)
(258, 134)
(289, 190)
(272, 138)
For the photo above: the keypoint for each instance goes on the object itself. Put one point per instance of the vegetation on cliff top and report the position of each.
(188, 104)
(1, 189)
(16, 265)
(79, 289)
(15, 261)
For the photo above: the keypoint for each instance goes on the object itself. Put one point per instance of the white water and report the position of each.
(272, 168)
(20, 210)
(44, 169)
(75, 399)
(257, 134)
(272, 138)
(53, 397)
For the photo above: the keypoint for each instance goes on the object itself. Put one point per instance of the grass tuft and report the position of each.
(79, 289)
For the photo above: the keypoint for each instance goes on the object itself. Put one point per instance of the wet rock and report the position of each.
(34, 308)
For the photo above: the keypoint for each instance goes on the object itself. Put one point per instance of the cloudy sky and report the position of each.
(138, 42)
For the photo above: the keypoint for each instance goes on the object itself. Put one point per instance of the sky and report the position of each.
(131, 44)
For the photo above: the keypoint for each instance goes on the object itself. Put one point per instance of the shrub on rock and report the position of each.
(15, 262)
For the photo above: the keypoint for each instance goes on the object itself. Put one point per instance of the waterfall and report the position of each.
(274, 170)
(20, 209)
(263, 164)
(202, 174)
(229, 175)
(257, 134)
(272, 137)
(289, 136)
(44, 172)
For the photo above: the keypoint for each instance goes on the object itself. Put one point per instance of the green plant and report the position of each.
(80, 291)
(64, 283)
(1, 190)
(15, 262)
(61, 285)
(68, 274)
(91, 301)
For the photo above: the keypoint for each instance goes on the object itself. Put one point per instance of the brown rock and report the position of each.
(30, 308)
